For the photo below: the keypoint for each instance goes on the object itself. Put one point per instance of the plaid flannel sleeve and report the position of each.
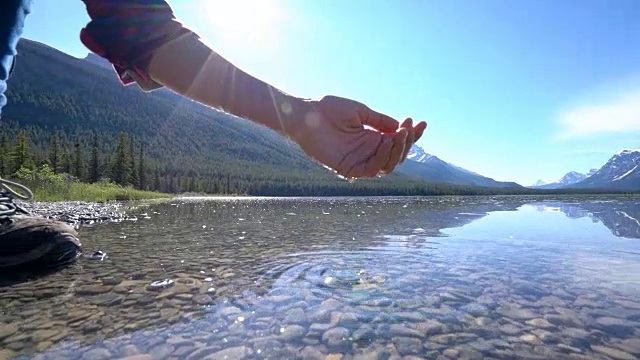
(127, 32)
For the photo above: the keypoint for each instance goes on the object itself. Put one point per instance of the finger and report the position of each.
(380, 122)
(372, 166)
(407, 124)
(418, 130)
(399, 141)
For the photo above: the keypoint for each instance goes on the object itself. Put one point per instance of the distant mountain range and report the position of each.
(621, 172)
(424, 166)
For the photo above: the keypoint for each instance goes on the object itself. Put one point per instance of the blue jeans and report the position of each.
(12, 16)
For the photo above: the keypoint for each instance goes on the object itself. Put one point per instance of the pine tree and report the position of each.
(156, 181)
(78, 164)
(4, 159)
(142, 178)
(54, 152)
(121, 171)
(131, 158)
(94, 165)
(21, 156)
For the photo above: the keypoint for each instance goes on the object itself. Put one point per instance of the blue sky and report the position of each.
(515, 90)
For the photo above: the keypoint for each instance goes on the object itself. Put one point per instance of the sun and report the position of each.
(253, 21)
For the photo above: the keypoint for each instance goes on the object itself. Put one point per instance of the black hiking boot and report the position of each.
(32, 244)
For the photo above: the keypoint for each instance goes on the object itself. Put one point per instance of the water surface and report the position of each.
(350, 278)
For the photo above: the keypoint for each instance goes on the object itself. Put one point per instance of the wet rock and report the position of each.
(454, 338)
(365, 335)
(337, 338)
(430, 327)
(510, 329)
(93, 289)
(230, 311)
(530, 338)
(138, 357)
(347, 320)
(373, 354)
(631, 346)
(540, 323)
(451, 353)
(295, 316)
(517, 313)
(408, 346)
(291, 333)
(613, 353)
(400, 330)
(559, 320)
(311, 353)
(161, 351)
(333, 357)
(238, 352)
(7, 330)
(202, 299)
(97, 354)
(616, 327)
(203, 352)
(569, 349)
(110, 281)
(409, 316)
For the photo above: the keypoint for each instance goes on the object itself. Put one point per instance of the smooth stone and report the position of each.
(97, 354)
(569, 349)
(373, 354)
(110, 281)
(331, 303)
(295, 316)
(337, 337)
(292, 332)
(408, 346)
(453, 338)
(138, 357)
(403, 331)
(618, 327)
(7, 330)
(230, 311)
(347, 320)
(530, 338)
(93, 290)
(202, 299)
(451, 353)
(430, 327)
(203, 352)
(613, 353)
(182, 350)
(631, 346)
(510, 329)
(130, 350)
(311, 353)
(482, 321)
(161, 351)
(333, 357)
(364, 334)
(540, 323)
(238, 352)
(42, 335)
(409, 316)
(517, 313)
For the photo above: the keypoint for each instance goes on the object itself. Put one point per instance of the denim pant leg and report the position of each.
(12, 16)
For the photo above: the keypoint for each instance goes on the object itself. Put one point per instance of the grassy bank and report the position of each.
(47, 186)
(100, 192)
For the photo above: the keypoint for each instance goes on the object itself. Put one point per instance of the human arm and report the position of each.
(148, 46)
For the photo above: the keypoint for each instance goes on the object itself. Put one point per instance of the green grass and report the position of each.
(100, 192)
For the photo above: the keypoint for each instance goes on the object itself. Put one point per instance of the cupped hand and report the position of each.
(353, 140)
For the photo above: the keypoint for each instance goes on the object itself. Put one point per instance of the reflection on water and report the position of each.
(446, 278)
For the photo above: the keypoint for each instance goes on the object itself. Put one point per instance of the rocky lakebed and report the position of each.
(417, 298)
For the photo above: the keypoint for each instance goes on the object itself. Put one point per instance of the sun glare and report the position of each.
(252, 21)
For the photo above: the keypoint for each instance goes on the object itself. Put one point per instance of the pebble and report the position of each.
(540, 323)
(292, 333)
(613, 353)
(337, 337)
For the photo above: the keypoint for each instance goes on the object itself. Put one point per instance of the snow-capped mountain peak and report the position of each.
(572, 178)
(418, 154)
(624, 152)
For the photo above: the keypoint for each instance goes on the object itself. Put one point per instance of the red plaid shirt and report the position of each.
(127, 32)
